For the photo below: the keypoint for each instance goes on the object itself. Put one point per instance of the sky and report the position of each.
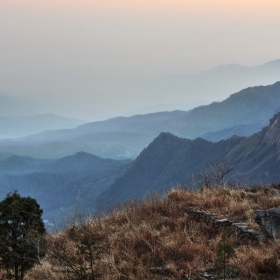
(86, 58)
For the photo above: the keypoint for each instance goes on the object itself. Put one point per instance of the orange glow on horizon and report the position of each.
(209, 9)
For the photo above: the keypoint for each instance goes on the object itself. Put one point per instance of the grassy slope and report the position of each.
(156, 239)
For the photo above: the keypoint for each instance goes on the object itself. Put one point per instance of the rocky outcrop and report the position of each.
(272, 133)
(241, 232)
(269, 221)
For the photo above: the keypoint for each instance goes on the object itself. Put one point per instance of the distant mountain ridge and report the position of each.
(121, 137)
(243, 113)
(219, 81)
(252, 107)
(81, 163)
(170, 161)
(165, 93)
(60, 184)
(12, 127)
(18, 165)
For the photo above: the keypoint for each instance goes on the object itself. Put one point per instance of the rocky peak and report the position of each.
(272, 133)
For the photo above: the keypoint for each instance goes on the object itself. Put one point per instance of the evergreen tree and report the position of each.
(225, 251)
(21, 235)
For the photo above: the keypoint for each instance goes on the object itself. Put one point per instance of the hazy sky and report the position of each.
(82, 56)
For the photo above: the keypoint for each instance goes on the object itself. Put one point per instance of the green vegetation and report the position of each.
(225, 251)
(21, 235)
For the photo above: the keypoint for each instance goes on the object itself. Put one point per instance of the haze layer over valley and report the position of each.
(167, 162)
(243, 113)
(94, 60)
(109, 100)
(65, 167)
(168, 93)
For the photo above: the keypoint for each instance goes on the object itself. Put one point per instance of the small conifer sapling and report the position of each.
(225, 251)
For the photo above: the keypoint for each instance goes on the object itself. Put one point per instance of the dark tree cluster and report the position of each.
(22, 233)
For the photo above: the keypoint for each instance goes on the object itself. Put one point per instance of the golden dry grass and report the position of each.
(238, 205)
(156, 239)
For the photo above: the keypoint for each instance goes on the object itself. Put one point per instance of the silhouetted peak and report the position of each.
(272, 134)
(166, 136)
(84, 154)
(17, 159)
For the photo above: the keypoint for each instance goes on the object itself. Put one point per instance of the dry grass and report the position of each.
(155, 239)
(238, 205)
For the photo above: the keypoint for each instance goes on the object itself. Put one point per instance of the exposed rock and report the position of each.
(241, 232)
(269, 221)
(161, 271)
(275, 192)
(272, 133)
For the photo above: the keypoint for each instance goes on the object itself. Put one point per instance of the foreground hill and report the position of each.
(170, 161)
(242, 113)
(158, 239)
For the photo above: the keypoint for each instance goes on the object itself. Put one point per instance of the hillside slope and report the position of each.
(170, 161)
(263, 163)
(160, 239)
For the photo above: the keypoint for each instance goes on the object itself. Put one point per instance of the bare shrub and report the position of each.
(213, 175)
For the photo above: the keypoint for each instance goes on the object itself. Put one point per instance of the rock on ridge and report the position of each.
(272, 133)
(269, 221)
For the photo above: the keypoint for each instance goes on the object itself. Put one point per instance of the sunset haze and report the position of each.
(86, 58)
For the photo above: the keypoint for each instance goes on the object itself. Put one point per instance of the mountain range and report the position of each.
(146, 95)
(168, 161)
(218, 82)
(243, 113)
(60, 184)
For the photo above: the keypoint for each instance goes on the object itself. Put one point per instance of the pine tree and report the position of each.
(21, 230)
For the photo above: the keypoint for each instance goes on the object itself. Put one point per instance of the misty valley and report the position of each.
(125, 197)
(96, 165)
